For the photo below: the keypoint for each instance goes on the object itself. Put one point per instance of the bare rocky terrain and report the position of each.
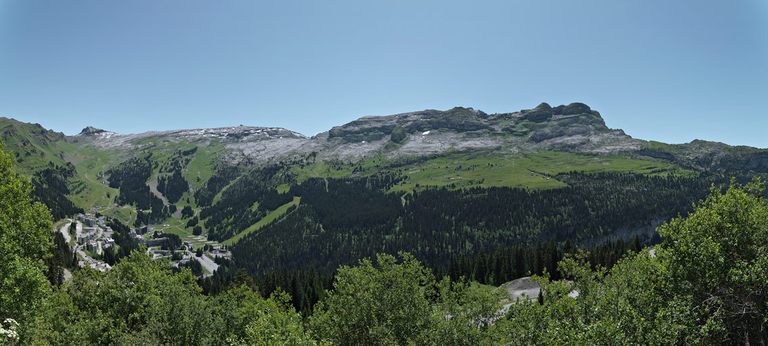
(575, 127)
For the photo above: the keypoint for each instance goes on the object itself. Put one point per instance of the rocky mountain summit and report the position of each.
(228, 135)
(91, 131)
(574, 127)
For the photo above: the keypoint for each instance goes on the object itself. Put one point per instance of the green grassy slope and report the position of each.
(488, 169)
(534, 170)
(32, 145)
(272, 216)
(90, 188)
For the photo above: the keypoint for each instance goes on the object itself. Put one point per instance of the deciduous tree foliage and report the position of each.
(25, 243)
(705, 284)
(396, 301)
(718, 257)
(377, 302)
(141, 301)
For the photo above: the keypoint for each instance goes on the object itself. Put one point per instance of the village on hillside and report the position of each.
(90, 237)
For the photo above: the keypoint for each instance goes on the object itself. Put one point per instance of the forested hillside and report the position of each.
(705, 283)
(341, 220)
(488, 197)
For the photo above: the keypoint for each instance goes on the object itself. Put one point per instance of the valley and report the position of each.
(500, 200)
(443, 185)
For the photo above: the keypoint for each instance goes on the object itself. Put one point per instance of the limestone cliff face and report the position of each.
(376, 128)
(574, 127)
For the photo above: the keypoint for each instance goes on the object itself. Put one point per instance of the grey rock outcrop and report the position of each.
(574, 127)
(90, 130)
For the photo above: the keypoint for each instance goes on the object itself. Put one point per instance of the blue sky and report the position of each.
(659, 69)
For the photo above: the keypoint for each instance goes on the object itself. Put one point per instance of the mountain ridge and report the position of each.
(574, 127)
(427, 132)
(438, 183)
(419, 146)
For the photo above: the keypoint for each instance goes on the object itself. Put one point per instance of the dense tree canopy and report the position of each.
(379, 302)
(342, 220)
(130, 177)
(705, 284)
(25, 243)
(141, 301)
(718, 257)
(51, 187)
(393, 301)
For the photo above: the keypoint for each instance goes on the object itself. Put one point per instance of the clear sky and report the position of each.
(659, 69)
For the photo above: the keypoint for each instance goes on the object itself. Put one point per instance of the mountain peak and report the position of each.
(90, 130)
(573, 109)
(469, 111)
(545, 113)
